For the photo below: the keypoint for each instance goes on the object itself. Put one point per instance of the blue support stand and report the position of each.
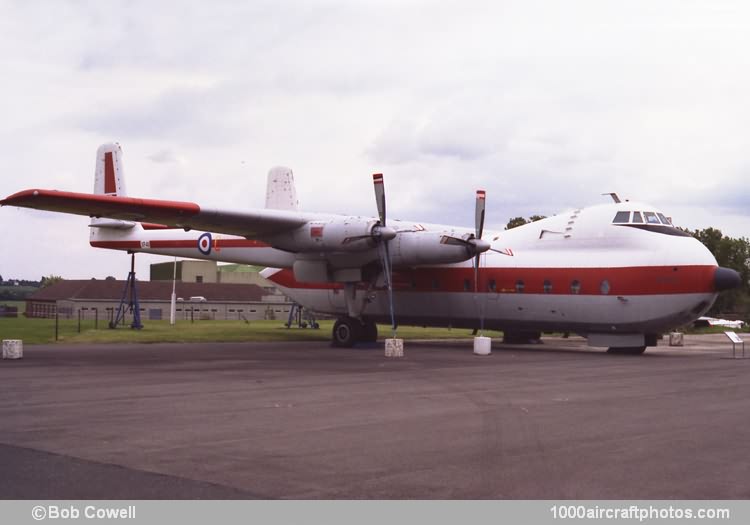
(129, 301)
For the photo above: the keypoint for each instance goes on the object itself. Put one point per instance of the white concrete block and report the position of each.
(482, 345)
(394, 348)
(12, 349)
(675, 339)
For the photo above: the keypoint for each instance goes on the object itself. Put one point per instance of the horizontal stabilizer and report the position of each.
(112, 224)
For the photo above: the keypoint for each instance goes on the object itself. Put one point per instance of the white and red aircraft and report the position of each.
(618, 273)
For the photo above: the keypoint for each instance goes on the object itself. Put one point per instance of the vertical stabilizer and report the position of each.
(280, 191)
(109, 178)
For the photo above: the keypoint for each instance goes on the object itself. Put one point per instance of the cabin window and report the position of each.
(467, 285)
(651, 217)
(435, 284)
(637, 217)
(547, 286)
(604, 288)
(575, 286)
(664, 220)
(519, 286)
(492, 285)
(622, 217)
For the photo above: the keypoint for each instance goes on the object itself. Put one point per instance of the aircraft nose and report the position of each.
(726, 279)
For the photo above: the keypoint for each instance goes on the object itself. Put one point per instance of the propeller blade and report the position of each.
(479, 246)
(388, 275)
(479, 213)
(384, 234)
(377, 181)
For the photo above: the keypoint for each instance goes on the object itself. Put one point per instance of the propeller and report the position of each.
(478, 230)
(382, 232)
(474, 243)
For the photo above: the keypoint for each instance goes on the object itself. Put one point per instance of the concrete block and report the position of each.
(675, 339)
(482, 345)
(394, 348)
(12, 349)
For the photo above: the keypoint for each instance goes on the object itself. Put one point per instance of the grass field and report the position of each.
(39, 331)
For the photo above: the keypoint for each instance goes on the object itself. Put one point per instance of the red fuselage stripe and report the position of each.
(636, 280)
(186, 243)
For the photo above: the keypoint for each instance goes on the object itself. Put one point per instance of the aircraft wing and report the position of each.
(250, 223)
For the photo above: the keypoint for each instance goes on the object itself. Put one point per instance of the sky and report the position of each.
(544, 104)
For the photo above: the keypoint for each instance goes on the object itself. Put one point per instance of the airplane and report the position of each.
(619, 274)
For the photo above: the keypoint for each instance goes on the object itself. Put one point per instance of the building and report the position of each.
(211, 272)
(100, 299)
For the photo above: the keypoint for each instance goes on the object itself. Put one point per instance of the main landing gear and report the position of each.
(348, 331)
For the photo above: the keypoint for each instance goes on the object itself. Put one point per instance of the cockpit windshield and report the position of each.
(664, 220)
(641, 217)
(651, 221)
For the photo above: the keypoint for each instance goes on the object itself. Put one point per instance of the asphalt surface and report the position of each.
(304, 420)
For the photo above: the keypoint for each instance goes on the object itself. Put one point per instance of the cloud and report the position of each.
(543, 104)
(193, 115)
(166, 156)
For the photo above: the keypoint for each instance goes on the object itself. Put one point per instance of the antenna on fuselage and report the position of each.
(614, 197)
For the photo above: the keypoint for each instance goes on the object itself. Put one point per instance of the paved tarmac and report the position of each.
(304, 420)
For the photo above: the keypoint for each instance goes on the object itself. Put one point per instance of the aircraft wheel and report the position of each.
(346, 332)
(627, 350)
(369, 332)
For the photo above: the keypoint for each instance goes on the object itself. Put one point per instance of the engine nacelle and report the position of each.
(339, 234)
(425, 247)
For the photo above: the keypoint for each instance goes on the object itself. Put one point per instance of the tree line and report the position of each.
(20, 289)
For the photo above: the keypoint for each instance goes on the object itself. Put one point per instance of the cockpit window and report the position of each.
(637, 217)
(622, 216)
(651, 217)
(664, 220)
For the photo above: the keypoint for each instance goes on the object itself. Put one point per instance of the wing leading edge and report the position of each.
(251, 223)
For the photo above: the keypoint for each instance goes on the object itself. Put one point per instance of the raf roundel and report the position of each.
(204, 244)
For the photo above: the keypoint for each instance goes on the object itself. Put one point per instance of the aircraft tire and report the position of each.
(346, 332)
(627, 350)
(369, 332)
